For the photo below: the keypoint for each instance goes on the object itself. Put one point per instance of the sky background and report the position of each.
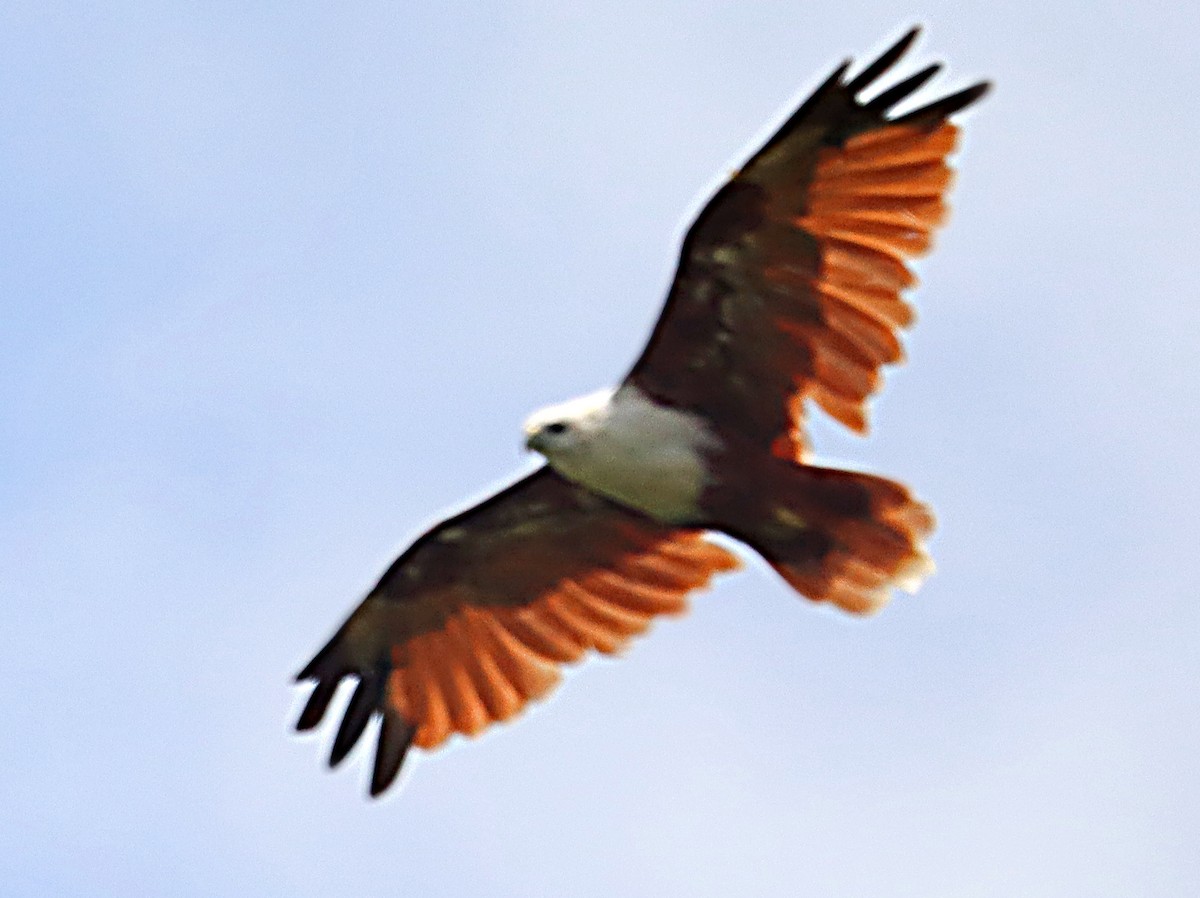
(279, 283)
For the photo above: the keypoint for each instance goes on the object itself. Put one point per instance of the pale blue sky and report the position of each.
(279, 287)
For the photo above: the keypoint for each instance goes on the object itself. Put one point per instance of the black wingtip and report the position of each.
(317, 704)
(395, 738)
(975, 92)
(318, 667)
(897, 92)
(358, 713)
(939, 110)
(886, 60)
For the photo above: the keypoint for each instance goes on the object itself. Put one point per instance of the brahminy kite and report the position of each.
(788, 290)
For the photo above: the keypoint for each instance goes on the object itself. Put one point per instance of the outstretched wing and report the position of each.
(471, 622)
(789, 282)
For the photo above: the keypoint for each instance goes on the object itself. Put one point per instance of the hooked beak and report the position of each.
(533, 442)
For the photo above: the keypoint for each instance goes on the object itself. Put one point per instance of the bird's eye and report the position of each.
(556, 427)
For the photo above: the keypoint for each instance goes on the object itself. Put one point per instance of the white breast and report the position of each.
(642, 454)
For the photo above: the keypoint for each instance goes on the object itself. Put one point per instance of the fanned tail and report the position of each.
(844, 537)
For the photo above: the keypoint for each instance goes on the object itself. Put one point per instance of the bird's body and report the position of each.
(788, 295)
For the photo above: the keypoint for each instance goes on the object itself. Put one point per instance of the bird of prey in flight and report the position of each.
(788, 293)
